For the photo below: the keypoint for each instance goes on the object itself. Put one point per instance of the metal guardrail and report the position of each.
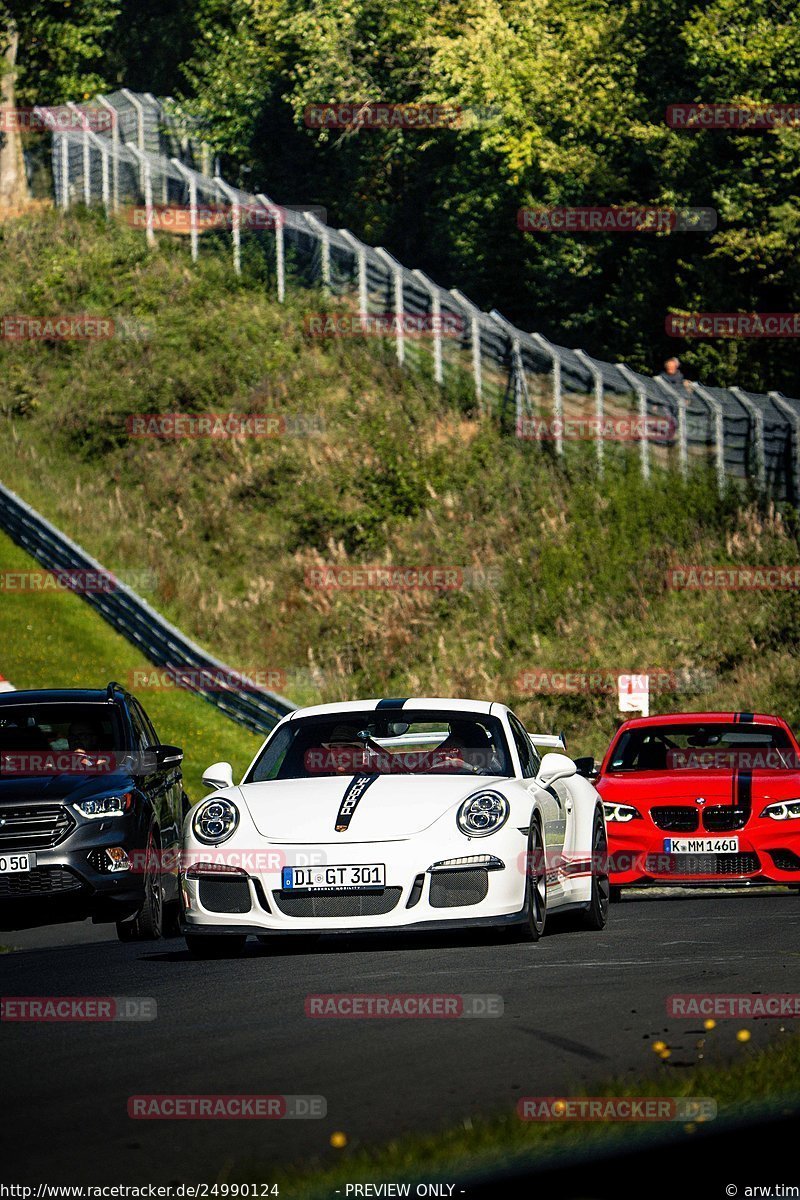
(137, 621)
(154, 158)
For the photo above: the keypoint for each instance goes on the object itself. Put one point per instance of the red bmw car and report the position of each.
(701, 799)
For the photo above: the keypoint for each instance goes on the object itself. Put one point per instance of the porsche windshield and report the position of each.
(704, 746)
(370, 743)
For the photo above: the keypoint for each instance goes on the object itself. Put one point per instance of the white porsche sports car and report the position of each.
(415, 814)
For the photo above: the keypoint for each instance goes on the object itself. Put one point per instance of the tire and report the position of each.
(535, 887)
(223, 946)
(596, 914)
(147, 925)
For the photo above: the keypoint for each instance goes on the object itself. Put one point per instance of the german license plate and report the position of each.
(334, 879)
(10, 864)
(701, 845)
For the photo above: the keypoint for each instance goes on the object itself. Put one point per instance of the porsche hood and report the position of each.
(358, 808)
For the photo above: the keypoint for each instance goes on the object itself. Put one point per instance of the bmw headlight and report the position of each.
(482, 813)
(621, 812)
(783, 810)
(215, 821)
(104, 806)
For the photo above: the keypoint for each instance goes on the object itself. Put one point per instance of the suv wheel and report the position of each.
(148, 923)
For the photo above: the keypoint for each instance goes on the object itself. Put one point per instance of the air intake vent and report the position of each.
(455, 889)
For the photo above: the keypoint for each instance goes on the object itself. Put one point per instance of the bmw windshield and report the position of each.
(704, 746)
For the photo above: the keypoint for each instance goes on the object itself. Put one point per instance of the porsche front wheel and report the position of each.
(536, 886)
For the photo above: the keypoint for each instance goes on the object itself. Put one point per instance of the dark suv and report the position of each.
(91, 811)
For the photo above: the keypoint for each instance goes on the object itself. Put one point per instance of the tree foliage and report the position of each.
(564, 104)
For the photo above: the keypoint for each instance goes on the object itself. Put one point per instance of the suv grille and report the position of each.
(679, 817)
(345, 904)
(41, 881)
(724, 817)
(36, 826)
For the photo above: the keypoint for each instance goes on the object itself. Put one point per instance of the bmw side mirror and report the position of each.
(218, 776)
(554, 767)
(587, 767)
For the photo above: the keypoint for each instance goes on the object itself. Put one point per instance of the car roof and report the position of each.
(708, 718)
(57, 696)
(401, 704)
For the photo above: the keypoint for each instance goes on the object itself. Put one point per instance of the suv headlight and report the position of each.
(621, 812)
(782, 810)
(105, 806)
(215, 821)
(482, 813)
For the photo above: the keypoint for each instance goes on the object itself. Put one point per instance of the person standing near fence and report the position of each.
(673, 374)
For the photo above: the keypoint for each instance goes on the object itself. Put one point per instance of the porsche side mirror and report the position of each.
(587, 767)
(554, 767)
(218, 776)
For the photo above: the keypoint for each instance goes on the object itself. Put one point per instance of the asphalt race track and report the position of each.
(578, 1008)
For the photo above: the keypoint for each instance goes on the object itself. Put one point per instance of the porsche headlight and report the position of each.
(783, 810)
(482, 813)
(621, 812)
(104, 806)
(215, 821)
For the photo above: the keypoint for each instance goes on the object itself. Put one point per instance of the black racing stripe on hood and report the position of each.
(744, 791)
(744, 718)
(392, 702)
(350, 800)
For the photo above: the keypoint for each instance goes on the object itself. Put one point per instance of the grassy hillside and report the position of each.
(573, 570)
(54, 639)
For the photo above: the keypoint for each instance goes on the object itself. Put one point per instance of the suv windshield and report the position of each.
(51, 738)
(353, 743)
(710, 745)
